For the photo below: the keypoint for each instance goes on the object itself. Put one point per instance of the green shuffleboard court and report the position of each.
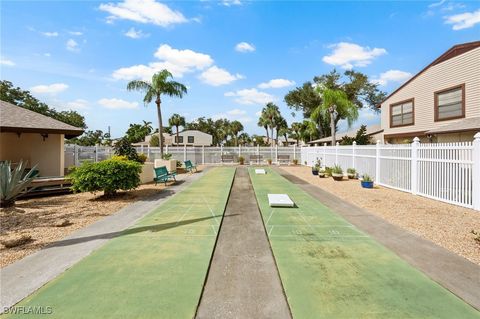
(330, 269)
(155, 269)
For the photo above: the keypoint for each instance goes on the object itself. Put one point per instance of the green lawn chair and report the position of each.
(190, 167)
(162, 175)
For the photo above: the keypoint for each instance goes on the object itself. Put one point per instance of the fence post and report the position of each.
(324, 159)
(377, 162)
(258, 149)
(276, 154)
(354, 146)
(184, 152)
(96, 153)
(414, 177)
(476, 172)
(166, 149)
(239, 150)
(75, 155)
(141, 149)
(203, 154)
(148, 152)
(294, 151)
(336, 153)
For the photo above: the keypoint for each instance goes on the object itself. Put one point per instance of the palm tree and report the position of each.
(263, 122)
(176, 120)
(336, 103)
(160, 85)
(272, 114)
(244, 139)
(297, 127)
(282, 129)
(235, 128)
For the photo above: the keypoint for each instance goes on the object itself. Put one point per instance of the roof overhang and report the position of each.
(19, 130)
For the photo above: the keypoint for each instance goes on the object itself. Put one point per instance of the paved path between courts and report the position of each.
(25, 276)
(243, 280)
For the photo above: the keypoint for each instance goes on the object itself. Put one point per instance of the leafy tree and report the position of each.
(244, 139)
(176, 120)
(123, 147)
(235, 127)
(263, 122)
(21, 98)
(137, 132)
(271, 114)
(296, 128)
(160, 85)
(361, 138)
(154, 142)
(90, 138)
(282, 129)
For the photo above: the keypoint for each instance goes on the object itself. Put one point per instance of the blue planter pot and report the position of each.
(367, 184)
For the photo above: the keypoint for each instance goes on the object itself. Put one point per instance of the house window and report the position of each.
(179, 140)
(402, 113)
(450, 103)
(190, 139)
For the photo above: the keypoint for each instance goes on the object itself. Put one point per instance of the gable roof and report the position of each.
(454, 51)
(20, 120)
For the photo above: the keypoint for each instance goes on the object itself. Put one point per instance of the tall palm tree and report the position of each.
(336, 103)
(176, 120)
(244, 139)
(297, 127)
(235, 128)
(160, 85)
(282, 129)
(263, 122)
(272, 114)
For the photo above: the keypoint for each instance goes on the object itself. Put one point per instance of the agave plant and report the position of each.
(13, 183)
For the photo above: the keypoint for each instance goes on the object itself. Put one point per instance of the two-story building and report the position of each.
(439, 104)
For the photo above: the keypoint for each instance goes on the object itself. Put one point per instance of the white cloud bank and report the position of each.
(392, 76)
(244, 47)
(216, 76)
(347, 55)
(251, 96)
(117, 104)
(276, 84)
(143, 11)
(49, 89)
(463, 20)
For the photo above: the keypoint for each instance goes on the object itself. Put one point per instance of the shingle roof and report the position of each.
(371, 130)
(20, 120)
(468, 124)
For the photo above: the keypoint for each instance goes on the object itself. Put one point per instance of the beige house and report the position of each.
(375, 132)
(188, 138)
(33, 137)
(439, 104)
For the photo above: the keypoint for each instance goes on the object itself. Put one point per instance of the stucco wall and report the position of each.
(48, 154)
(464, 68)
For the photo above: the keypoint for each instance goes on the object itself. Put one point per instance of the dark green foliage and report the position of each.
(21, 98)
(137, 132)
(91, 138)
(154, 141)
(108, 176)
(123, 147)
(361, 137)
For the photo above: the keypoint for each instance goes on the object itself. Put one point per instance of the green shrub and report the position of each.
(328, 170)
(123, 147)
(14, 183)
(367, 178)
(179, 164)
(167, 156)
(241, 160)
(142, 158)
(107, 176)
(337, 169)
(351, 171)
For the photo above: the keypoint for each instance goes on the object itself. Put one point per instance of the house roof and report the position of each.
(371, 130)
(468, 124)
(454, 51)
(20, 120)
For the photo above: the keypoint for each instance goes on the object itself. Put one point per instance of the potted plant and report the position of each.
(316, 167)
(367, 181)
(321, 173)
(241, 160)
(328, 171)
(337, 173)
(351, 173)
(295, 162)
(269, 161)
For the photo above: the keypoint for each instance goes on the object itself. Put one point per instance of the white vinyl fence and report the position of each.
(75, 155)
(448, 172)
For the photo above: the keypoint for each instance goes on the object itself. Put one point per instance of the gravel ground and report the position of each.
(446, 225)
(38, 217)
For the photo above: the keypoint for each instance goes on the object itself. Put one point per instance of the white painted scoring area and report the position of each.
(260, 171)
(279, 200)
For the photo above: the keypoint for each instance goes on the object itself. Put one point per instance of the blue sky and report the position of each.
(234, 56)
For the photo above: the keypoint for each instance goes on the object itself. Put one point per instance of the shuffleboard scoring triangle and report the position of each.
(280, 200)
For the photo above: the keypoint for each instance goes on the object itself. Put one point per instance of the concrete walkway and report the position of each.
(243, 281)
(453, 272)
(25, 276)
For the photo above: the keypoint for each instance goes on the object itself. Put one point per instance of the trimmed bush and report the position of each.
(108, 176)
(123, 147)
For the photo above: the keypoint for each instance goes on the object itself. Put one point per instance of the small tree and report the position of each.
(123, 147)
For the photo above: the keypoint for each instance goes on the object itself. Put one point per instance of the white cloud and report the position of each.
(78, 104)
(436, 4)
(178, 62)
(234, 115)
(117, 104)
(392, 76)
(136, 34)
(251, 96)
(47, 54)
(229, 3)
(6, 62)
(259, 113)
(77, 33)
(143, 11)
(50, 34)
(72, 45)
(463, 20)
(49, 89)
(216, 76)
(244, 47)
(276, 84)
(348, 55)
